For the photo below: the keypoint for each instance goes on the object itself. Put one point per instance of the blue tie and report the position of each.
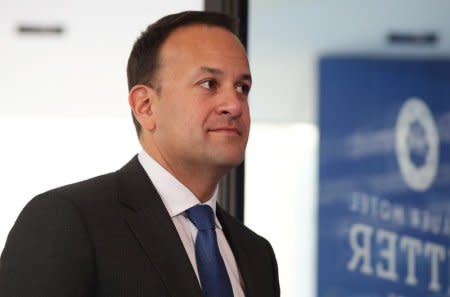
(211, 268)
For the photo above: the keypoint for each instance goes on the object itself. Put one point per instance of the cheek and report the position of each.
(188, 121)
(246, 115)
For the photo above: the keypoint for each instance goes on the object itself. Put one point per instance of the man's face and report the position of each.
(202, 113)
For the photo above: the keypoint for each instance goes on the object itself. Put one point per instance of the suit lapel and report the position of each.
(236, 242)
(152, 226)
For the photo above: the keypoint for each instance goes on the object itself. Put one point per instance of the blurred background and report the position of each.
(347, 170)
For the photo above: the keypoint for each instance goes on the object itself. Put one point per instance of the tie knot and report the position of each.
(202, 216)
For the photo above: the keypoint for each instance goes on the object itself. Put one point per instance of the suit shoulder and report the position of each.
(54, 229)
(70, 201)
(58, 203)
(93, 188)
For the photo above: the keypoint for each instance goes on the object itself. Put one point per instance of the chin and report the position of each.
(227, 157)
(231, 161)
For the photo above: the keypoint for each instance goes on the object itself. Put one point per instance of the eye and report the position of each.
(243, 88)
(209, 84)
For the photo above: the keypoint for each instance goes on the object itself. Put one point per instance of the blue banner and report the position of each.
(384, 194)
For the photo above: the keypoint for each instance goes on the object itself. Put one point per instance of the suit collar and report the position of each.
(236, 239)
(149, 221)
(177, 198)
(151, 224)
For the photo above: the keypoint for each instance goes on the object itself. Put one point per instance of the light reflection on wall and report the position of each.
(280, 198)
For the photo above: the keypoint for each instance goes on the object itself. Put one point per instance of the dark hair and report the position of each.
(143, 61)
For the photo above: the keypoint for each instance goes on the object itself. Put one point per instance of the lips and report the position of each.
(230, 130)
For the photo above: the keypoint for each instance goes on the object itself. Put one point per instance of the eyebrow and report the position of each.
(215, 71)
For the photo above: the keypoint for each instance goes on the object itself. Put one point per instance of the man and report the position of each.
(140, 231)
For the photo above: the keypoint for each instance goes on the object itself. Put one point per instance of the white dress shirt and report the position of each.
(177, 198)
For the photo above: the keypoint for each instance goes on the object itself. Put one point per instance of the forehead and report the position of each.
(202, 43)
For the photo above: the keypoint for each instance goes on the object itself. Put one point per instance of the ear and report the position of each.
(141, 99)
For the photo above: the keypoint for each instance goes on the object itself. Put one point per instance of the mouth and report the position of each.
(227, 130)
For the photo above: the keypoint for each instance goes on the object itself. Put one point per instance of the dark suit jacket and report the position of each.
(111, 236)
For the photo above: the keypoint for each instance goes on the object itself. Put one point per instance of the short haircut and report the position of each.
(143, 62)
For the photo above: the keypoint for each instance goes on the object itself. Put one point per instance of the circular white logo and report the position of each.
(417, 144)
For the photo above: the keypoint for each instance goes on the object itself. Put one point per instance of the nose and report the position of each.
(231, 104)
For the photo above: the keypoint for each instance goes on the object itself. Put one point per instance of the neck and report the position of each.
(201, 181)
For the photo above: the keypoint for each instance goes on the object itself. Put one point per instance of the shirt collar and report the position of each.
(177, 198)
